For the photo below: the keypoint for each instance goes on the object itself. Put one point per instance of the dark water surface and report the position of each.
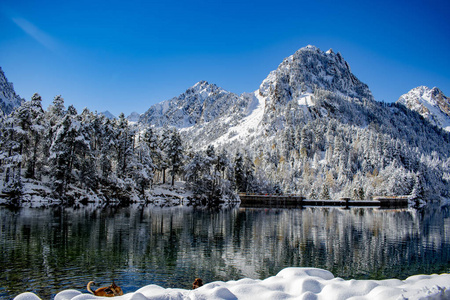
(48, 250)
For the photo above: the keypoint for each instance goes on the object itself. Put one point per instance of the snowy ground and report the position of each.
(36, 194)
(290, 283)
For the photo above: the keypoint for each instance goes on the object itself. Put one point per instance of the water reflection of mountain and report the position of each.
(65, 248)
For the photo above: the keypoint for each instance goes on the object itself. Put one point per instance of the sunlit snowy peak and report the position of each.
(432, 104)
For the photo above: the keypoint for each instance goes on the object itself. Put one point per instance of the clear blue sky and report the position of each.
(124, 56)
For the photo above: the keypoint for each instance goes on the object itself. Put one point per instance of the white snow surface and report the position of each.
(290, 283)
(306, 99)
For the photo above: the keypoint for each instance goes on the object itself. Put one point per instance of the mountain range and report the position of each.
(313, 128)
(222, 115)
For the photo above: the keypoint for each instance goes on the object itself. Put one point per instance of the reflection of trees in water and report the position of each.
(65, 248)
(363, 243)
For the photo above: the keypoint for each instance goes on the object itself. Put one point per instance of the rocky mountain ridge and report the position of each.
(199, 104)
(9, 100)
(296, 78)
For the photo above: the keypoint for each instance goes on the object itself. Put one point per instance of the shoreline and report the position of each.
(289, 283)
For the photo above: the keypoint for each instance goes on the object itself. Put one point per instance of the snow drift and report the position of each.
(290, 283)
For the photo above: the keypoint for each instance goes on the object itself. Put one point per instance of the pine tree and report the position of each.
(164, 144)
(325, 193)
(143, 167)
(36, 133)
(175, 155)
(11, 155)
(195, 171)
(239, 173)
(68, 153)
(57, 110)
(124, 147)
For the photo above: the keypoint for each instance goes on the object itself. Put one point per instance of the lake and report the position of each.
(45, 250)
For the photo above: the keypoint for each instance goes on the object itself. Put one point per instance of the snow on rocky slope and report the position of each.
(249, 124)
(309, 69)
(432, 104)
(8, 97)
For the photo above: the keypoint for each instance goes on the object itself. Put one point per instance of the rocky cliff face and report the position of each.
(9, 100)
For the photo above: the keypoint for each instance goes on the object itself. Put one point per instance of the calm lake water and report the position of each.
(48, 250)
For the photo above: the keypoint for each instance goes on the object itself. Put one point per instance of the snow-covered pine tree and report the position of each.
(155, 152)
(164, 143)
(67, 152)
(143, 166)
(175, 154)
(36, 133)
(239, 173)
(57, 110)
(194, 172)
(124, 147)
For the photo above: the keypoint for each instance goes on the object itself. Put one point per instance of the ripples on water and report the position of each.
(48, 250)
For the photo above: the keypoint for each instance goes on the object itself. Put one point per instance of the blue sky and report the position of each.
(124, 56)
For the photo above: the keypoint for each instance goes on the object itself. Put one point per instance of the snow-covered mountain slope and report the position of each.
(9, 100)
(432, 104)
(250, 124)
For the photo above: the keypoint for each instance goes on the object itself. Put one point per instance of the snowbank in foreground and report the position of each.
(290, 283)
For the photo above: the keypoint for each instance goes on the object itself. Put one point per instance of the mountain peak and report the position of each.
(108, 114)
(309, 48)
(431, 103)
(309, 69)
(201, 83)
(134, 117)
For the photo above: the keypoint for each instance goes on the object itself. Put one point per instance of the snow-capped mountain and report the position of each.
(9, 100)
(432, 104)
(311, 84)
(108, 114)
(307, 70)
(133, 117)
